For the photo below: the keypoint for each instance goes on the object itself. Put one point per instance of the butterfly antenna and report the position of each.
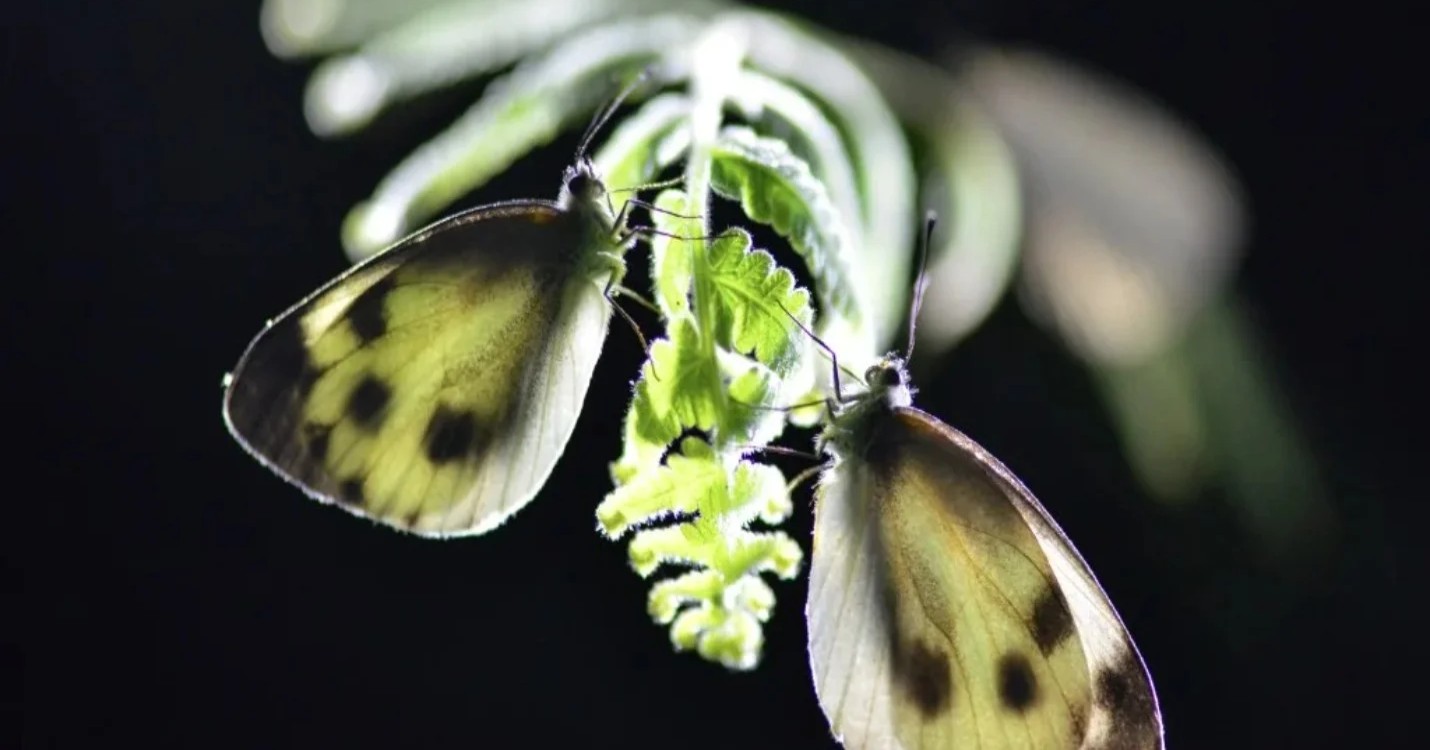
(838, 390)
(610, 109)
(930, 219)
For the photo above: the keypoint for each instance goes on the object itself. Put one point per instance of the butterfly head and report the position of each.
(856, 418)
(888, 381)
(581, 188)
(583, 191)
(581, 184)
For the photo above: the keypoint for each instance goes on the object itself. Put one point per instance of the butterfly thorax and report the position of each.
(858, 419)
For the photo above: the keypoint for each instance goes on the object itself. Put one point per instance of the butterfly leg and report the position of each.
(625, 213)
(647, 205)
(791, 407)
(621, 217)
(610, 298)
(782, 451)
(626, 291)
(803, 477)
(672, 182)
(647, 231)
(838, 389)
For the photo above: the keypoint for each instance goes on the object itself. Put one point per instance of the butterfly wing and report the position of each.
(948, 610)
(434, 386)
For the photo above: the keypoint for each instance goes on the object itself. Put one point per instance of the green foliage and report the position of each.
(833, 144)
(777, 188)
(838, 188)
(715, 608)
(755, 301)
(520, 111)
(731, 337)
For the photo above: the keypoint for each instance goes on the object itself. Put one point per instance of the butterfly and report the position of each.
(946, 608)
(433, 386)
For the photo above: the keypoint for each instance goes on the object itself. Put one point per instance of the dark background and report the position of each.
(174, 593)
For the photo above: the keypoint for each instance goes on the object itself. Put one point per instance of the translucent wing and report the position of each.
(948, 610)
(434, 386)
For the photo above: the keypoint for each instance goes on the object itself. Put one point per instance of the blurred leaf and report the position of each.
(1261, 455)
(1134, 225)
(969, 178)
(518, 113)
(880, 159)
(439, 46)
(644, 143)
(299, 28)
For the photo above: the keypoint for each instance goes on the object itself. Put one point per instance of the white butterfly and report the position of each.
(946, 608)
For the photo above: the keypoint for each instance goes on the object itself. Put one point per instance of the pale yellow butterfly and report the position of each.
(946, 608)
(433, 386)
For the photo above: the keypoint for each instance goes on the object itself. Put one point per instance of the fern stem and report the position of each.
(716, 59)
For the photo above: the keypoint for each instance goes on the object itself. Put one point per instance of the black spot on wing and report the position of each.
(1017, 687)
(315, 440)
(924, 673)
(368, 313)
(270, 386)
(1122, 691)
(282, 357)
(1078, 714)
(452, 434)
(1052, 621)
(1114, 690)
(274, 379)
(350, 492)
(367, 402)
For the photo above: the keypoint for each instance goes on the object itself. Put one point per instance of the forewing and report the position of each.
(1124, 711)
(433, 387)
(947, 611)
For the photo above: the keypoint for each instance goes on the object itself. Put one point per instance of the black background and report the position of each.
(174, 593)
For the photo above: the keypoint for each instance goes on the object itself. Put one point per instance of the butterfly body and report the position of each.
(946, 608)
(433, 386)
